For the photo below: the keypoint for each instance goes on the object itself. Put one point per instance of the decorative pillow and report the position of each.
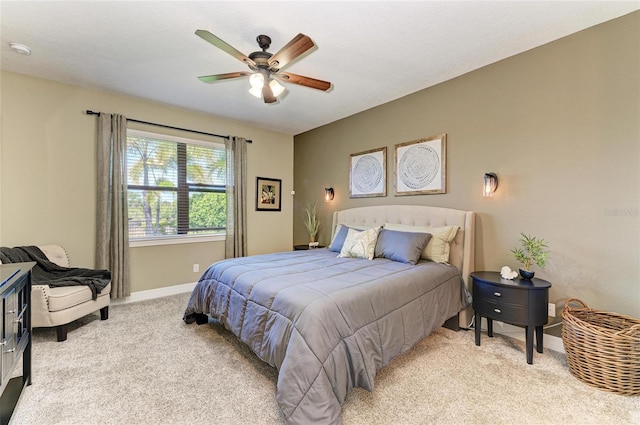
(341, 234)
(338, 238)
(437, 248)
(360, 244)
(405, 247)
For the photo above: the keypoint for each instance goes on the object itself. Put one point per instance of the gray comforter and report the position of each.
(327, 324)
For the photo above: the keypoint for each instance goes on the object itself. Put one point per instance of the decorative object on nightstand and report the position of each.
(531, 252)
(518, 302)
(507, 273)
(311, 222)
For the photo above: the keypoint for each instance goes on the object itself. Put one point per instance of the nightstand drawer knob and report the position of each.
(497, 310)
(497, 294)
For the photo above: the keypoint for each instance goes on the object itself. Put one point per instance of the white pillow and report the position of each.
(360, 244)
(437, 248)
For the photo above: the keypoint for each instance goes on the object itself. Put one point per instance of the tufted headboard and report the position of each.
(462, 247)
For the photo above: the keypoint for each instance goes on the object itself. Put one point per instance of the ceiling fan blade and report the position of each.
(267, 94)
(304, 81)
(218, 77)
(297, 46)
(220, 44)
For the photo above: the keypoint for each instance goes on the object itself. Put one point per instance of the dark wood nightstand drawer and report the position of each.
(503, 312)
(501, 294)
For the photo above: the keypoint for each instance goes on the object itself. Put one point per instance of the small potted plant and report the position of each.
(532, 251)
(311, 222)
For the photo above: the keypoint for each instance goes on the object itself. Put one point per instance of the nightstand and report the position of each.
(304, 247)
(517, 302)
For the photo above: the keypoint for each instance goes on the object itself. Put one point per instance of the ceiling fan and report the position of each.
(266, 66)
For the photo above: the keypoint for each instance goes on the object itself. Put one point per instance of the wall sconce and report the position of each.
(328, 194)
(490, 184)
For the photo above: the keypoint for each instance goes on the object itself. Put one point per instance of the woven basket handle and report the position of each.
(574, 300)
(633, 331)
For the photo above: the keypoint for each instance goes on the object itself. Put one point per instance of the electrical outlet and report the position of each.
(196, 268)
(552, 310)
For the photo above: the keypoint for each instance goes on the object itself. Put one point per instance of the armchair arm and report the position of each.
(40, 306)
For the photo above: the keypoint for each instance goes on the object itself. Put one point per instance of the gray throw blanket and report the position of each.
(47, 273)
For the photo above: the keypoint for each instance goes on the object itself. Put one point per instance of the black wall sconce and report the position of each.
(328, 194)
(490, 184)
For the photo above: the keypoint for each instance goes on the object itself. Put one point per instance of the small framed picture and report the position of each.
(368, 173)
(421, 166)
(268, 194)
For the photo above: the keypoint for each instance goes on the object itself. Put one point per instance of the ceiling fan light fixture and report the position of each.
(266, 66)
(256, 91)
(276, 88)
(257, 81)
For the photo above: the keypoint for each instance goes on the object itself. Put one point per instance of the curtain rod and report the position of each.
(89, 112)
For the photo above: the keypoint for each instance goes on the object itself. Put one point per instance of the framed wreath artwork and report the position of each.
(368, 173)
(421, 166)
(268, 194)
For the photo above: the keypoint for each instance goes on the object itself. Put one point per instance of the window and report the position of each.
(176, 186)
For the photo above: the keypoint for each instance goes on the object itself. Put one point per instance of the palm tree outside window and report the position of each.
(176, 186)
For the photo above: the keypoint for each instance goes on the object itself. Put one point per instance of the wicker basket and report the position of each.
(603, 348)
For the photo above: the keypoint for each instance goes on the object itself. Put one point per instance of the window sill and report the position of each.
(175, 240)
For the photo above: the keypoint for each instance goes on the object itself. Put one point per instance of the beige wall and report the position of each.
(47, 191)
(559, 124)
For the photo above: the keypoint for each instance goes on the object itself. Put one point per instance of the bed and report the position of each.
(329, 322)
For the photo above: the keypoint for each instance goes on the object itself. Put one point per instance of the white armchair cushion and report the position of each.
(69, 296)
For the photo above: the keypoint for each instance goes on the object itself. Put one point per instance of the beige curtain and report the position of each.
(236, 242)
(112, 229)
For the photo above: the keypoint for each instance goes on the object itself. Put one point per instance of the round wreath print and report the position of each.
(418, 166)
(367, 174)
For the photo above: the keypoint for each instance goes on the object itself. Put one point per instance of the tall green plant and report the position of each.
(532, 251)
(311, 222)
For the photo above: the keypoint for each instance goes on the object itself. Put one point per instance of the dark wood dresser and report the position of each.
(15, 293)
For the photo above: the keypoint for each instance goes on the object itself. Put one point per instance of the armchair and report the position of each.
(59, 306)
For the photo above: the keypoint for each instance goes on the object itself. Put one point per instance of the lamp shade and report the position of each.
(276, 88)
(328, 194)
(256, 80)
(490, 184)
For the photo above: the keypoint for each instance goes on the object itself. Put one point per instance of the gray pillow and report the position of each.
(404, 247)
(338, 239)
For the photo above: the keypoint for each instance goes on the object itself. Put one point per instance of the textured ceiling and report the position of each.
(372, 52)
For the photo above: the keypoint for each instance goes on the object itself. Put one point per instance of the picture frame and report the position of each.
(420, 166)
(268, 194)
(368, 173)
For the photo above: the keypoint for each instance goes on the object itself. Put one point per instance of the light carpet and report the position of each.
(144, 365)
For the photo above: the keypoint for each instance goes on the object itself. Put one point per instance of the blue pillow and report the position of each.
(404, 247)
(338, 239)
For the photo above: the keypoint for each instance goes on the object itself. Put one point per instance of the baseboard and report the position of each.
(155, 293)
(550, 341)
